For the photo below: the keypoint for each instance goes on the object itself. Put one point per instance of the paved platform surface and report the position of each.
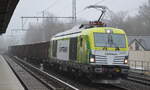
(8, 80)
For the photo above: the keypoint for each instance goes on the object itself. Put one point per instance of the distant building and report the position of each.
(139, 43)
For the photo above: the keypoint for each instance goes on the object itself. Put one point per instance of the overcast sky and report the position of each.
(64, 7)
(60, 8)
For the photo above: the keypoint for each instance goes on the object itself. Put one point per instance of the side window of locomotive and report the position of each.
(54, 48)
(73, 48)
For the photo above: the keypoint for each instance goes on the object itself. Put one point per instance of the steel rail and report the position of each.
(46, 74)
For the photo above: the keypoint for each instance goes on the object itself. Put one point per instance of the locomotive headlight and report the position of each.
(125, 61)
(92, 60)
(108, 31)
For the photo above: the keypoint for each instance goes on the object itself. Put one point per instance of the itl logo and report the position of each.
(62, 49)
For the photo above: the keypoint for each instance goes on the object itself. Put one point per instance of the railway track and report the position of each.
(26, 79)
(57, 84)
(139, 78)
(108, 87)
(72, 83)
(50, 81)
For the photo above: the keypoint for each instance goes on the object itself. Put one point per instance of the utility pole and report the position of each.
(22, 24)
(43, 12)
(74, 10)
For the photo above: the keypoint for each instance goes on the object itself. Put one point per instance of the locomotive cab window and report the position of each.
(109, 40)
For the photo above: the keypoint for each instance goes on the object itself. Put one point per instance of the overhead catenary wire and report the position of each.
(82, 11)
(99, 2)
(55, 3)
(65, 5)
(51, 5)
(45, 16)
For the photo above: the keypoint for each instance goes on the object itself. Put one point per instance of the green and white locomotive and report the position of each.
(100, 53)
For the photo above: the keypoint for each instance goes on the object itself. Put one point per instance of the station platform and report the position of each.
(8, 80)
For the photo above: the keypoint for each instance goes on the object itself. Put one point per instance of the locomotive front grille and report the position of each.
(101, 59)
(119, 59)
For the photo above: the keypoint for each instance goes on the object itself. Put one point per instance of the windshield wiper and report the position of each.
(105, 47)
(111, 42)
(116, 47)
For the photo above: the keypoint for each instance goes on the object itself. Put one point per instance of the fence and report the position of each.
(139, 60)
(141, 65)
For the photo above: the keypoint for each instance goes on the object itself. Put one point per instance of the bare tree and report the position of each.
(144, 15)
(117, 19)
(137, 25)
(45, 30)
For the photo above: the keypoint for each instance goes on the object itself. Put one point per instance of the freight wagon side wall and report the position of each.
(38, 51)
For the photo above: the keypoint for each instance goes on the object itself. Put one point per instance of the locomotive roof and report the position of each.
(74, 30)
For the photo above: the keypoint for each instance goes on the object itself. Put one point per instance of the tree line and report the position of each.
(133, 25)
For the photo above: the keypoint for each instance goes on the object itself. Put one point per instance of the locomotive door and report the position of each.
(82, 51)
